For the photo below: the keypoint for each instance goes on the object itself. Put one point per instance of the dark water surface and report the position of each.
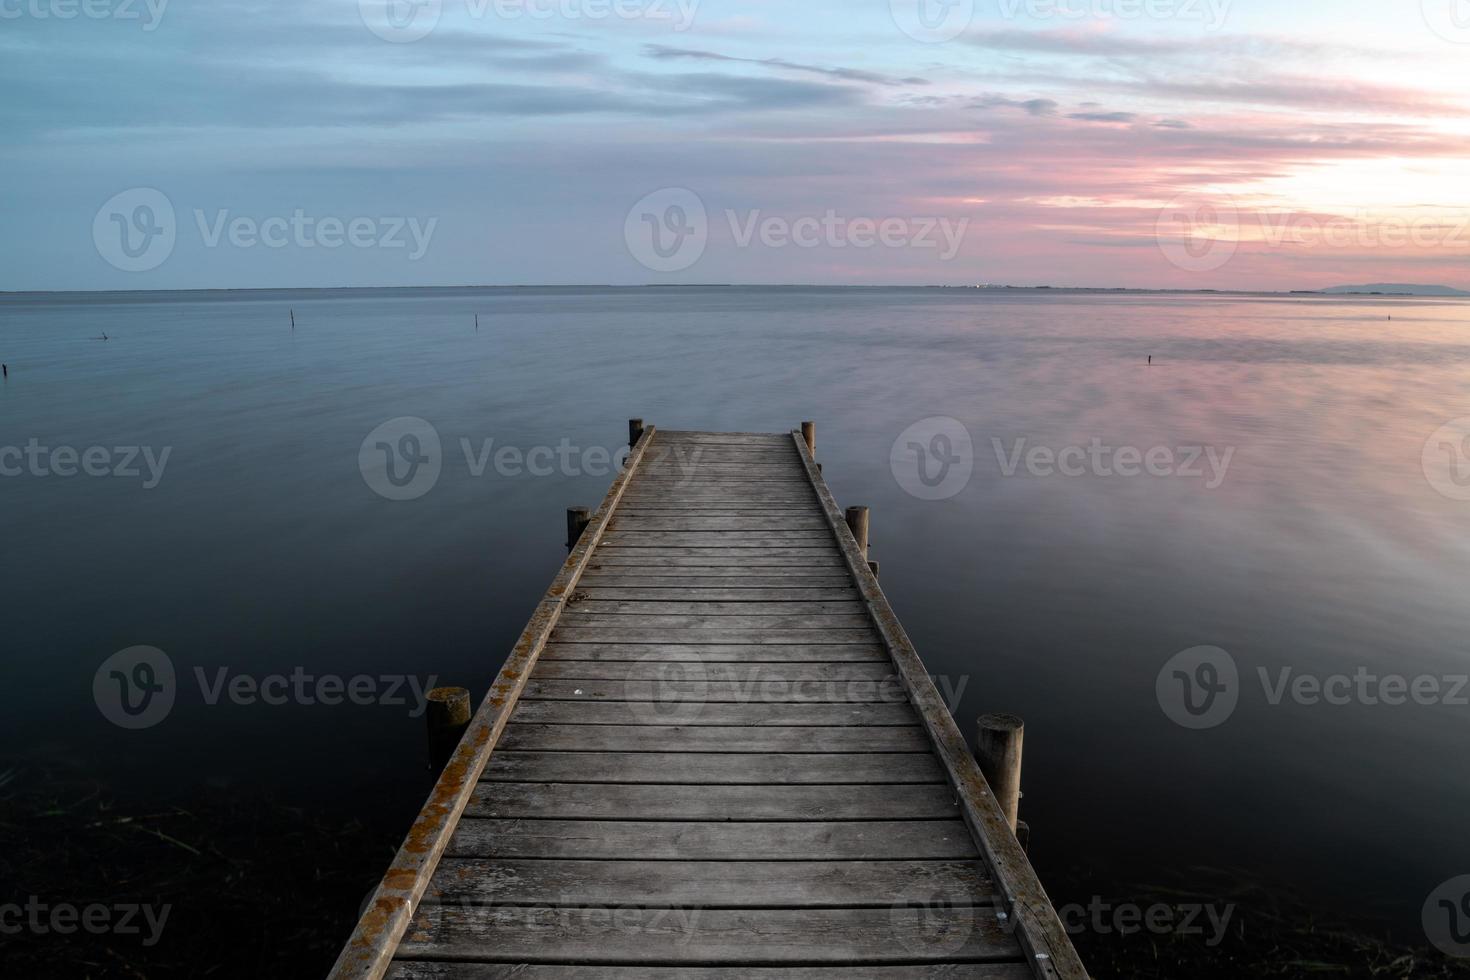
(1326, 548)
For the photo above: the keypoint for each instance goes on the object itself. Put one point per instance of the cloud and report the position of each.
(665, 53)
(1104, 117)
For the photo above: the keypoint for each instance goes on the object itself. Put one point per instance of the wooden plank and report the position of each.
(576, 618)
(716, 653)
(698, 767)
(585, 604)
(771, 713)
(716, 594)
(687, 673)
(717, 840)
(708, 936)
(736, 576)
(706, 884)
(427, 970)
(720, 539)
(718, 522)
(821, 557)
(629, 801)
(709, 738)
(889, 691)
(607, 634)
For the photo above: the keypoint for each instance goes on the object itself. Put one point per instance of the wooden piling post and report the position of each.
(635, 432)
(809, 433)
(998, 750)
(873, 567)
(448, 716)
(857, 521)
(577, 520)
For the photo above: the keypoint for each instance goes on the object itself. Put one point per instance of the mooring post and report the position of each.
(998, 750)
(635, 432)
(857, 520)
(809, 433)
(873, 567)
(448, 716)
(577, 520)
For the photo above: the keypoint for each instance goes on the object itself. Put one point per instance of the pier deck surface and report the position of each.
(713, 754)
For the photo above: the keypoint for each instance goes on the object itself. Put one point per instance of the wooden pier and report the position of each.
(712, 754)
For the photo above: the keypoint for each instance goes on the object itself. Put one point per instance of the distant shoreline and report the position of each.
(692, 287)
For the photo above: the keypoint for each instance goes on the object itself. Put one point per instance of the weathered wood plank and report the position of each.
(584, 603)
(772, 592)
(524, 737)
(657, 713)
(719, 840)
(717, 653)
(719, 539)
(718, 522)
(641, 801)
(607, 634)
(698, 767)
(727, 624)
(426, 970)
(819, 556)
(707, 884)
(740, 576)
(889, 691)
(688, 674)
(709, 936)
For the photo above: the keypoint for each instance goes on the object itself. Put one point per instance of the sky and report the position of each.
(1198, 144)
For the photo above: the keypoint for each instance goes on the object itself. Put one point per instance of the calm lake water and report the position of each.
(1325, 547)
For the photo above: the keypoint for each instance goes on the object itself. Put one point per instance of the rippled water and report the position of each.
(1326, 547)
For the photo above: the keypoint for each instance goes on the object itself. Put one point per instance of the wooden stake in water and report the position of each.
(293, 319)
(477, 323)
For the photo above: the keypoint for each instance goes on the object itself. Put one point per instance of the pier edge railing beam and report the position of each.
(448, 714)
(998, 745)
(577, 520)
(635, 432)
(857, 522)
(809, 435)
